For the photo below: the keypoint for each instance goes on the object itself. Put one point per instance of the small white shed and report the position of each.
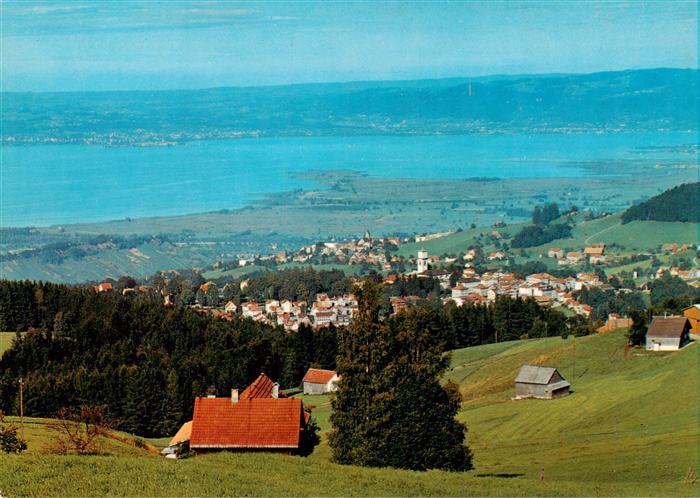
(318, 381)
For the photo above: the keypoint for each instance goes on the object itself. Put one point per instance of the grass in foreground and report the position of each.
(629, 428)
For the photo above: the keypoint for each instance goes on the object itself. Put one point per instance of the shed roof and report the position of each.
(183, 434)
(667, 326)
(249, 423)
(531, 374)
(318, 376)
(555, 386)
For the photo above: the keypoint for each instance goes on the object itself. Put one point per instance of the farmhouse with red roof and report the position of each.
(317, 381)
(258, 419)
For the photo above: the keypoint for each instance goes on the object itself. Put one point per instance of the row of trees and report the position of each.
(545, 214)
(605, 302)
(536, 235)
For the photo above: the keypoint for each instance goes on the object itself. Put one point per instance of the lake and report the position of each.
(59, 184)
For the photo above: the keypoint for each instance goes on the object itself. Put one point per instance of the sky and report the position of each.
(151, 45)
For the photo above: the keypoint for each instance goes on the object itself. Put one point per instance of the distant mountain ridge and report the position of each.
(644, 100)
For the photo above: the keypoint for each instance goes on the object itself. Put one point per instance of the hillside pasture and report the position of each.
(6, 339)
(629, 428)
(636, 236)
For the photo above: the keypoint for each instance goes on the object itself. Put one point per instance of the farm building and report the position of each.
(540, 382)
(258, 419)
(692, 313)
(668, 333)
(317, 381)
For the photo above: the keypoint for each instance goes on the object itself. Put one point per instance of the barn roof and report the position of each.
(667, 326)
(318, 376)
(261, 387)
(531, 374)
(249, 423)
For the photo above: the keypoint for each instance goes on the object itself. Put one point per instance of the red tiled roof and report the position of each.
(260, 388)
(103, 286)
(250, 423)
(318, 376)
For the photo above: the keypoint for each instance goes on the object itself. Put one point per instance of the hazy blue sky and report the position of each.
(152, 45)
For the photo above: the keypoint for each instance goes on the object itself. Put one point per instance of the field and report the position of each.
(248, 270)
(6, 341)
(630, 238)
(637, 235)
(630, 427)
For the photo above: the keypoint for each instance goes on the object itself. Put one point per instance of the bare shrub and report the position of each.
(78, 430)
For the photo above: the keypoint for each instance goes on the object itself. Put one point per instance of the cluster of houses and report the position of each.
(546, 289)
(593, 254)
(324, 311)
(366, 250)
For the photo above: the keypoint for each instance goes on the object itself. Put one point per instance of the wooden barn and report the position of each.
(317, 381)
(692, 313)
(668, 333)
(540, 382)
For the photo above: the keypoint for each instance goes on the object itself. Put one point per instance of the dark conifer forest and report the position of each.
(147, 362)
(681, 203)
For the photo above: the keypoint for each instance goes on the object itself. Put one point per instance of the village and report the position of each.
(472, 277)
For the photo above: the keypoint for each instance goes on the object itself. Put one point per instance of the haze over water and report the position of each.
(58, 184)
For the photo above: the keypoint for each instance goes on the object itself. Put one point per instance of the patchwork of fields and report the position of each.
(630, 427)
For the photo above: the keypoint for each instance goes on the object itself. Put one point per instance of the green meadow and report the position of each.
(631, 238)
(629, 428)
(6, 339)
(243, 271)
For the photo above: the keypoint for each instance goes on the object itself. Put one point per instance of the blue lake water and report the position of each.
(56, 184)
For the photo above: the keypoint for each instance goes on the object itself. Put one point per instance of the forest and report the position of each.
(147, 362)
(536, 235)
(681, 203)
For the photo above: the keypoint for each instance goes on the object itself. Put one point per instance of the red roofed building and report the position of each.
(103, 287)
(257, 419)
(317, 381)
(262, 387)
(247, 424)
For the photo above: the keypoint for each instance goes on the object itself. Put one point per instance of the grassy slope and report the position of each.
(458, 242)
(636, 236)
(632, 419)
(247, 270)
(629, 428)
(6, 341)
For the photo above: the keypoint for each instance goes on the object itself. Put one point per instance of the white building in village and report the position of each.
(423, 261)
